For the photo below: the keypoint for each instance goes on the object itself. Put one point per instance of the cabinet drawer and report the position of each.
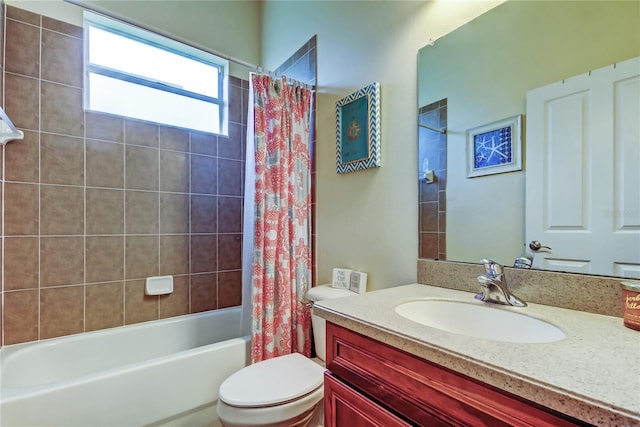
(345, 407)
(422, 391)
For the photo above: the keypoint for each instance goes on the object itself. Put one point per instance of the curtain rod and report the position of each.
(121, 18)
(439, 130)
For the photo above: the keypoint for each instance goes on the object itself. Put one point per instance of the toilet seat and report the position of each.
(285, 390)
(272, 382)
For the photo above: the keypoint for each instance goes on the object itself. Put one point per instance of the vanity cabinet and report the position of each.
(369, 383)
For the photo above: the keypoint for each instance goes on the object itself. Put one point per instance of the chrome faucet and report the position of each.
(494, 286)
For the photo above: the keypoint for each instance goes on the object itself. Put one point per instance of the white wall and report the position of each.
(367, 220)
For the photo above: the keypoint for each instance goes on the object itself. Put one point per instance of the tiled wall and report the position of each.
(96, 203)
(432, 201)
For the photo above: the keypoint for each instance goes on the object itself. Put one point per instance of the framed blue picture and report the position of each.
(495, 147)
(358, 130)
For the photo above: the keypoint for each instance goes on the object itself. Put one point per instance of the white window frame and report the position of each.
(170, 45)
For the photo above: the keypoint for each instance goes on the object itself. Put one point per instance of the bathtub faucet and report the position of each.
(494, 286)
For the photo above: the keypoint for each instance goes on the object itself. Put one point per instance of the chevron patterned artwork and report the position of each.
(358, 130)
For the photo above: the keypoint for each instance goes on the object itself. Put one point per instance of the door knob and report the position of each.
(536, 246)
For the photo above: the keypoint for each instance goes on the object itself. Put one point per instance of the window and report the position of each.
(135, 73)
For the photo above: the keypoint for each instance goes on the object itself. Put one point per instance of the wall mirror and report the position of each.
(481, 73)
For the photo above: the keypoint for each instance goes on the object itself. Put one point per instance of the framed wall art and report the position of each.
(358, 130)
(495, 147)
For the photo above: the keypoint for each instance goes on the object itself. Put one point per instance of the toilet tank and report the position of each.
(319, 325)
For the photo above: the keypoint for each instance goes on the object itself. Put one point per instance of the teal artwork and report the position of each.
(355, 132)
(358, 130)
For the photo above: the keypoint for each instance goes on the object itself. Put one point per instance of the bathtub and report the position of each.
(165, 372)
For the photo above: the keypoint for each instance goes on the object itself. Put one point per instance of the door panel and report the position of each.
(583, 179)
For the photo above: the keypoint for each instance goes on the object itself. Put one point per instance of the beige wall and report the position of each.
(485, 69)
(230, 27)
(367, 220)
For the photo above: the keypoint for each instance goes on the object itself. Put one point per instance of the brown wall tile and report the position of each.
(138, 306)
(176, 303)
(230, 177)
(229, 288)
(61, 108)
(174, 171)
(105, 164)
(174, 255)
(23, 15)
(105, 211)
(23, 159)
(204, 175)
(62, 27)
(204, 143)
(104, 127)
(232, 147)
(204, 214)
(203, 292)
(174, 139)
(429, 216)
(21, 209)
(174, 213)
(229, 251)
(61, 210)
(203, 253)
(230, 214)
(141, 168)
(141, 212)
(429, 245)
(21, 263)
(105, 258)
(20, 316)
(104, 304)
(61, 261)
(22, 48)
(62, 159)
(62, 58)
(61, 311)
(141, 133)
(141, 256)
(22, 97)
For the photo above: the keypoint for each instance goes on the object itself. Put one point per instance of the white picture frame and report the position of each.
(495, 147)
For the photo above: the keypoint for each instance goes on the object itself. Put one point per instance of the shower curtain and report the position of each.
(281, 270)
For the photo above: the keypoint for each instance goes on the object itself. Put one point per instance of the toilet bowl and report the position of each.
(283, 391)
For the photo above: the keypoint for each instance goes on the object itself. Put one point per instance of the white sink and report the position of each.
(479, 321)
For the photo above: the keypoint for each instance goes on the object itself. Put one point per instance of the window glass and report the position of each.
(135, 73)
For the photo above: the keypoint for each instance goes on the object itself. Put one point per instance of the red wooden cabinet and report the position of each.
(369, 383)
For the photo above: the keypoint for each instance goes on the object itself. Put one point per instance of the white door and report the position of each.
(583, 172)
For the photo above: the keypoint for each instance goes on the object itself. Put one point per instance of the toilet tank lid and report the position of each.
(272, 382)
(322, 292)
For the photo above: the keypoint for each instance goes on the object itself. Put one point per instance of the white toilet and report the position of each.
(283, 391)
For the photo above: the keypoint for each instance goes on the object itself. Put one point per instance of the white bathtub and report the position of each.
(165, 372)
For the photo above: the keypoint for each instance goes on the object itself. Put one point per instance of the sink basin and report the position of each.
(479, 321)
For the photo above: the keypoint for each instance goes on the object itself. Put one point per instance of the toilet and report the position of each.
(283, 391)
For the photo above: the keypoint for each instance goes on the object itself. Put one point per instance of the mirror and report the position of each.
(481, 73)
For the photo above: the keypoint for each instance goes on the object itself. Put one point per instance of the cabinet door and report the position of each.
(344, 407)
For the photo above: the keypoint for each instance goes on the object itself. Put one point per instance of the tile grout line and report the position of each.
(39, 182)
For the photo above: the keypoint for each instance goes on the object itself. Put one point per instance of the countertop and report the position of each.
(592, 375)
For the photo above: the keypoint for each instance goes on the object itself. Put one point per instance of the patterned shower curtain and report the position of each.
(282, 240)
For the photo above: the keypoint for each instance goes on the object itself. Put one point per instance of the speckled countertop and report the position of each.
(592, 375)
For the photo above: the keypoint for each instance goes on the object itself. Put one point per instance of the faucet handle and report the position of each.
(523, 262)
(492, 268)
